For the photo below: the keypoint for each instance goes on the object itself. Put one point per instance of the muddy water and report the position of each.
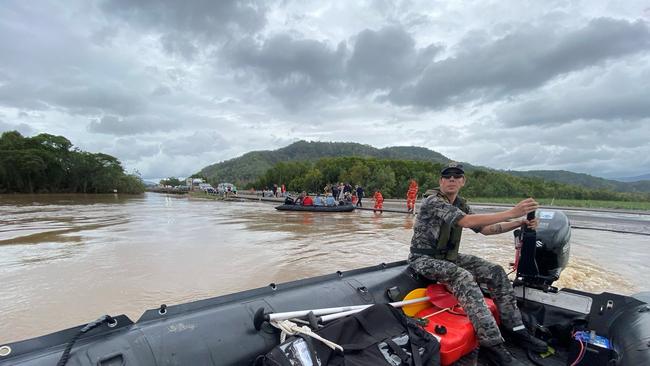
(65, 260)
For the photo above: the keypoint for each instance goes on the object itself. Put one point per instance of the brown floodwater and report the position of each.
(67, 259)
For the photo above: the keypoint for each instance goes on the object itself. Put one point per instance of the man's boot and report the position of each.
(500, 356)
(523, 338)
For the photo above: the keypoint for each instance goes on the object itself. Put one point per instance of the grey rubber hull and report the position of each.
(220, 330)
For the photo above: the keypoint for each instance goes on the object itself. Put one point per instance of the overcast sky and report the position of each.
(169, 87)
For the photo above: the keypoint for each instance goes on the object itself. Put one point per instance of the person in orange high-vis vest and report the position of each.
(411, 196)
(379, 202)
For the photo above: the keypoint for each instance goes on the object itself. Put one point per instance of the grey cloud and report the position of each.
(75, 96)
(296, 71)
(617, 94)
(23, 128)
(20, 95)
(49, 62)
(182, 22)
(161, 166)
(387, 58)
(298, 92)
(114, 125)
(522, 61)
(161, 90)
(195, 144)
(134, 149)
(281, 58)
(595, 146)
(177, 75)
(104, 36)
(301, 70)
(179, 45)
(90, 99)
(556, 110)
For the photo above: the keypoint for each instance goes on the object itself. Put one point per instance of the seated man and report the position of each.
(329, 200)
(306, 200)
(347, 198)
(434, 255)
(289, 200)
(318, 200)
(300, 198)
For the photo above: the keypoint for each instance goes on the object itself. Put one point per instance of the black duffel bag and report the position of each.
(377, 336)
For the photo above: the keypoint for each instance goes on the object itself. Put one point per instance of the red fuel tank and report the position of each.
(449, 323)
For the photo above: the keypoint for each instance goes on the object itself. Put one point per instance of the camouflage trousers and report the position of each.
(462, 278)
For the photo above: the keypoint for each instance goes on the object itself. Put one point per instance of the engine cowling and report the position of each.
(552, 249)
(542, 263)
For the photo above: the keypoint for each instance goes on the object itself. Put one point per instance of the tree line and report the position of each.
(50, 164)
(392, 178)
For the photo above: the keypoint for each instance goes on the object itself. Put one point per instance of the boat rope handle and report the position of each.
(290, 328)
(65, 356)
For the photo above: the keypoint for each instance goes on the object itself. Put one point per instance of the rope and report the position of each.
(65, 356)
(449, 309)
(290, 328)
(610, 230)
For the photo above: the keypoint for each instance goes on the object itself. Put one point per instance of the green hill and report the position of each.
(584, 180)
(392, 176)
(634, 179)
(250, 166)
(51, 164)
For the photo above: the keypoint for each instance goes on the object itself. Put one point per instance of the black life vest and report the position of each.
(449, 238)
(448, 241)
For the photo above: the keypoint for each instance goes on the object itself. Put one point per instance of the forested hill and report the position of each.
(635, 178)
(250, 166)
(392, 177)
(50, 164)
(584, 180)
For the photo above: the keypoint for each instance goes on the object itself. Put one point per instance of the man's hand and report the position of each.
(524, 207)
(532, 224)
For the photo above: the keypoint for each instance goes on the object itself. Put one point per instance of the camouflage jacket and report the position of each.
(436, 210)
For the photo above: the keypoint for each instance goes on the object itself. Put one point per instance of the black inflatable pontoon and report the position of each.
(221, 331)
(231, 329)
(341, 208)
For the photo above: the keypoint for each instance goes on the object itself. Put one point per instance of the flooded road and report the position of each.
(67, 259)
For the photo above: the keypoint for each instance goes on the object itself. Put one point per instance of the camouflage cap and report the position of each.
(452, 167)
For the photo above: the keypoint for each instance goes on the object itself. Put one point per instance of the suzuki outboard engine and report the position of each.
(542, 254)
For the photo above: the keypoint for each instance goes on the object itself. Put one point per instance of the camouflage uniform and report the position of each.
(462, 273)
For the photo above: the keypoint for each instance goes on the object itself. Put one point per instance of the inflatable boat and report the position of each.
(582, 328)
(340, 208)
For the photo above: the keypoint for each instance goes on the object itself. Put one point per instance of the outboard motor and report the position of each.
(542, 254)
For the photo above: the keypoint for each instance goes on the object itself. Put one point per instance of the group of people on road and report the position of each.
(276, 191)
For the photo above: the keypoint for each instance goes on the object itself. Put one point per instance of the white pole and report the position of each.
(341, 310)
(398, 304)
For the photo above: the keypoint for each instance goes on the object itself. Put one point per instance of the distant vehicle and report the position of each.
(226, 187)
(207, 188)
